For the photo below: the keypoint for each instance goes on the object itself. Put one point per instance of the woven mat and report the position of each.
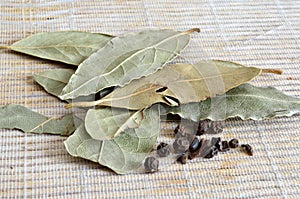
(260, 33)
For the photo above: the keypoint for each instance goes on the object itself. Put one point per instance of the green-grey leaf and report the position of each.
(125, 152)
(53, 81)
(245, 101)
(125, 58)
(19, 117)
(106, 123)
(71, 47)
(178, 84)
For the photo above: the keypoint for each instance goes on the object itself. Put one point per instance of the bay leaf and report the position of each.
(123, 153)
(53, 81)
(19, 117)
(71, 47)
(178, 84)
(245, 101)
(125, 58)
(106, 123)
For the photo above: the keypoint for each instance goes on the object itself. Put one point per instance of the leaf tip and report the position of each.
(35, 76)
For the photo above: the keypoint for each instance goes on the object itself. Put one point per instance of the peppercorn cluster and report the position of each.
(188, 144)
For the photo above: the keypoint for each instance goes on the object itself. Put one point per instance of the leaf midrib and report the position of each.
(261, 97)
(49, 78)
(50, 46)
(41, 124)
(166, 84)
(134, 54)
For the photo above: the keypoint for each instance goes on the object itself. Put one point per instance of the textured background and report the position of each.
(260, 33)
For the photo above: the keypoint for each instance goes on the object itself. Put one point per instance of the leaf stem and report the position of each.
(4, 47)
(83, 104)
(274, 71)
(192, 30)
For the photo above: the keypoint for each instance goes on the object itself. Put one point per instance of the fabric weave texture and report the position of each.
(263, 34)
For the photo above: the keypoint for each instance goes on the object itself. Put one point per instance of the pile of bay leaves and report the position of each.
(125, 84)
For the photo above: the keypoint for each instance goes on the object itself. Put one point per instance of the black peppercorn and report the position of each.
(202, 127)
(182, 131)
(233, 143)
(181, 144)
(217, 142)
(247, 148)
(225, 146)
(163, 149)
(151, 164)
(194, 145)
(211, 152)
(209, 127)
(183, 158)
(208, 150)
(215, 128)
(195, 153)
(220, 145)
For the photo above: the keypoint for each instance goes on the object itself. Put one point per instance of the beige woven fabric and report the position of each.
(260, 33)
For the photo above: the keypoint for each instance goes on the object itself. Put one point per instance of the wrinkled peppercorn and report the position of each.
(163, 149)
(247, 148)
(181, 144)
(194, 145)
(233, 143)
(217, 142)
(183, 158)
(209, 127)
(151, 164)
(181, 131)
(211, 152)
(208, 150)
(225, 146)
(202, 127)
(215, 128)
(195, 153)
(204, 148)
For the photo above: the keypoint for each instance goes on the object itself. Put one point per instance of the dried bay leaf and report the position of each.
(19, 117)
(124, 59)
(123, 153)
(106, 123)
(71, 47)
(53, 81)
(178, 84)
(245, 101)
